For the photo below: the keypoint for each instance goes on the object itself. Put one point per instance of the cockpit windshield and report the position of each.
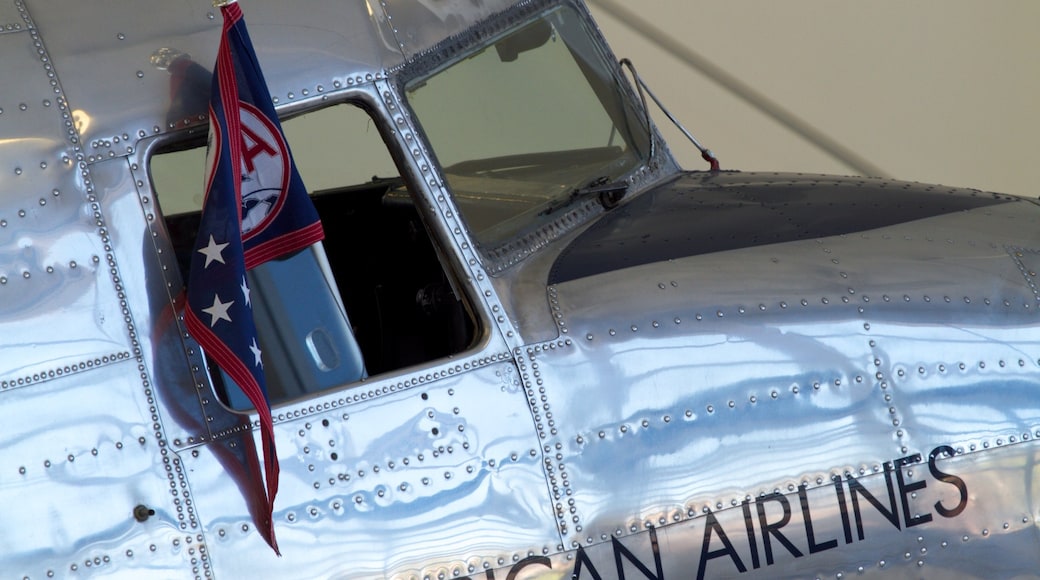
(528, 124)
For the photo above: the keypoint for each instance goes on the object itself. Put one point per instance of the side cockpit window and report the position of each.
(371, 298)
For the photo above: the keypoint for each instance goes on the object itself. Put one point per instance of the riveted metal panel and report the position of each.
(52, 270)
(716, 404)
(148, 302)
(435, 478)
(33, 119)
(12, 17)
(944, 268)
(97, 70)
(305, 53)
(668, 403)
(417, 26)
(80, 455)
(961, 282)
(984, 376)
(54, 273)
(711, 377)
(821, 532)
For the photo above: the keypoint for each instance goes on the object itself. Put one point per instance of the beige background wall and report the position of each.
(943, 91)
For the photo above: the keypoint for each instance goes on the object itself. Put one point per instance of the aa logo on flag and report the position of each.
(265, 169)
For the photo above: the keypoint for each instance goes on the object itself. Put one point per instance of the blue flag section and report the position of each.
(277, 216)
(256, 209)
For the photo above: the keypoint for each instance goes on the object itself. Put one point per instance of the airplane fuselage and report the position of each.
(530, 345)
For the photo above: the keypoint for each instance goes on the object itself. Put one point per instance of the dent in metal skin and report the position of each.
(51, 269)
(74, 473)
(372, 486)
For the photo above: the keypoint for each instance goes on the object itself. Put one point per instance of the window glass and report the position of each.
(372, 297)
(322, 164)
(523, 124)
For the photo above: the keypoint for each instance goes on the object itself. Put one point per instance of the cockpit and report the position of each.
(526, 124)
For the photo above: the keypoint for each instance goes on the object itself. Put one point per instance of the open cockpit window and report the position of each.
(371, 298)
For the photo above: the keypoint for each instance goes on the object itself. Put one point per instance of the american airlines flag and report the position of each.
(256, 209)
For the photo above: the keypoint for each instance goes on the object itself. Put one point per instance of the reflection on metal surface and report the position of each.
(81, 121)
(163, 57)
(726, 375)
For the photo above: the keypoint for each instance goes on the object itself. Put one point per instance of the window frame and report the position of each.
(477, 320)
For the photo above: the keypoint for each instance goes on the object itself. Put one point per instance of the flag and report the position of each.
(277, 216)
(256, 209)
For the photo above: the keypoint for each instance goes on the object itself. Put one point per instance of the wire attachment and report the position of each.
(223, 3)
(706, 153)
(708, 156)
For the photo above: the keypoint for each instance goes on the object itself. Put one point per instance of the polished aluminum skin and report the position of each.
(853, 398)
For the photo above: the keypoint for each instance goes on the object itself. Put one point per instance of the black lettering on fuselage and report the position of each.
(774, 528)
(530, 560)
(712, 526)
(810, 534)
(517, 568)
(625, 559)
(839, 490)
(856, 490)
(908, 488)
(582, 560)
(953, 480)
(749, 525)
(620, 549)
